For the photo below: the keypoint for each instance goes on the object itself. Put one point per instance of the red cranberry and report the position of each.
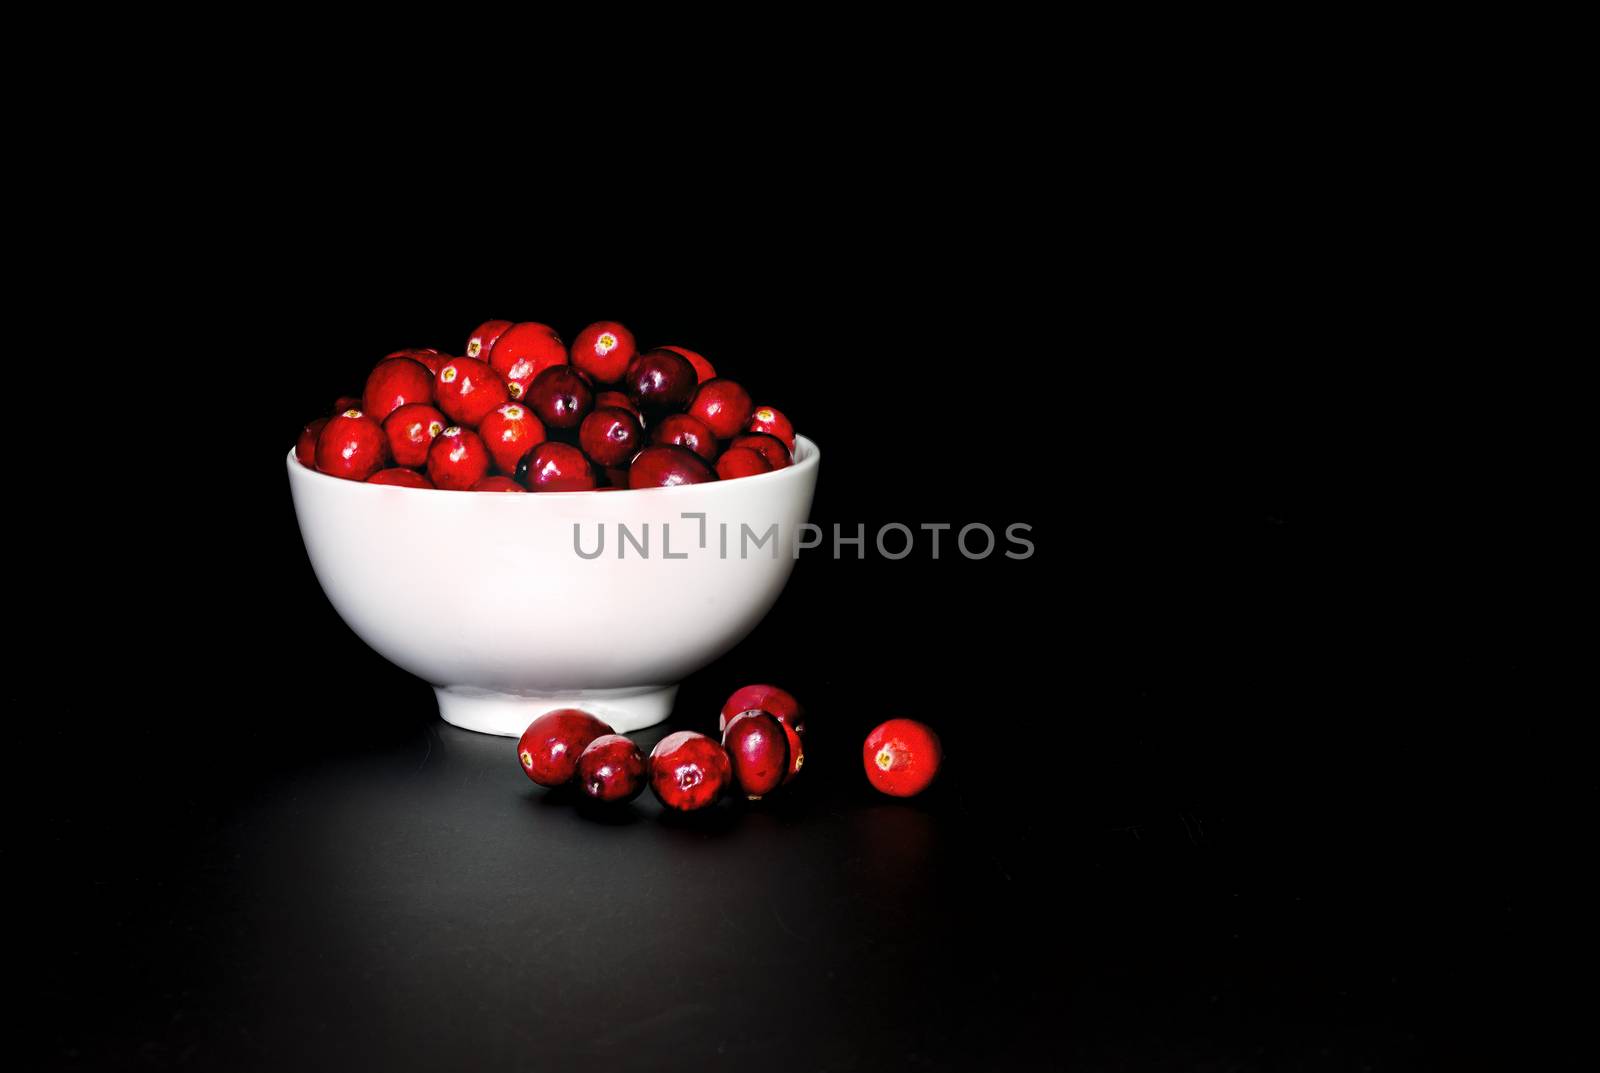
(484, 337)
(773, 423)
(401, 477)
(758, 751)
(901, 757)
(560, 397)
(510, 431)
(797, 751)
(559, 467)
(498, 484)
(393, 383)
(346, 402)
(686, 431)
(617, 399)
(351, 445)
(458, 459)
(523, 352)
(611, 436)
(659, 382)
(427, 356)
(305, 448)
(550, 747)
(603, 350)
(667, 466)
(779, 703)
(689, 771)
(769, 447)
(468, 391)
(741, 462)
(410, 431)
(702, 368)
(612, 769)
(724, 406)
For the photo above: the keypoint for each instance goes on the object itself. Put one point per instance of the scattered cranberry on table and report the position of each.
(738, 462)
(724, 406)
(484, 337)
(410, 431)
(769, 447)
(524, 351)
(659, 382)
(510, 432)
(457, 460)
(668, 466)
(351, 445)
(685, 431)
(498, 483)
(305, 448)
(468, 390)
(559, 467)
(779, 703)
(773, 423)
(560, 397)
(901, 757)
(549, 749)
(400, 477)
(393, 383)
(611, 769)
(758, 751)
(702, 368)
(611, 436)
(603, 350)
(689, 771)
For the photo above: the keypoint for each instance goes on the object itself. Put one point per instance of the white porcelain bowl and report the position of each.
(483, 594)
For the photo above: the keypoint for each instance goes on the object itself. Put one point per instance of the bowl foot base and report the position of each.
(509, 714)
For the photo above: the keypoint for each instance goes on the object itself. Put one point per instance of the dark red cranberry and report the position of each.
(560, 397)
(484, 337)
(773, 423)
(617, 399)
(468, 391)
(616, 480)
(659, 382)
(780, 703)
(510, 432)
(401, 477)
(458, 459)
(702, 368)
(611, 436)
(741, 462)
(689, 771)
(603, 350)
(498, 484)
(901, 757)
(410, 431)
(797, 751)
(686, 431)
(559, 467)
(351, 445)
(346, 402)
(666, 466)
(769, 447)
(550, 747)
(305, 448)
(394, 383)
(523, 352)
(612, 769)
(758, 751)
(724, 406)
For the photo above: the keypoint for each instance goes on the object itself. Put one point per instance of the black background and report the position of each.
(1196, 814)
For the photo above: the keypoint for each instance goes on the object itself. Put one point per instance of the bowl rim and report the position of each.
(806, 456)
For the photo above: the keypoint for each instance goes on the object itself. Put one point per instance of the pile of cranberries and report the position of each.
(762, 748)
(521, 412)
